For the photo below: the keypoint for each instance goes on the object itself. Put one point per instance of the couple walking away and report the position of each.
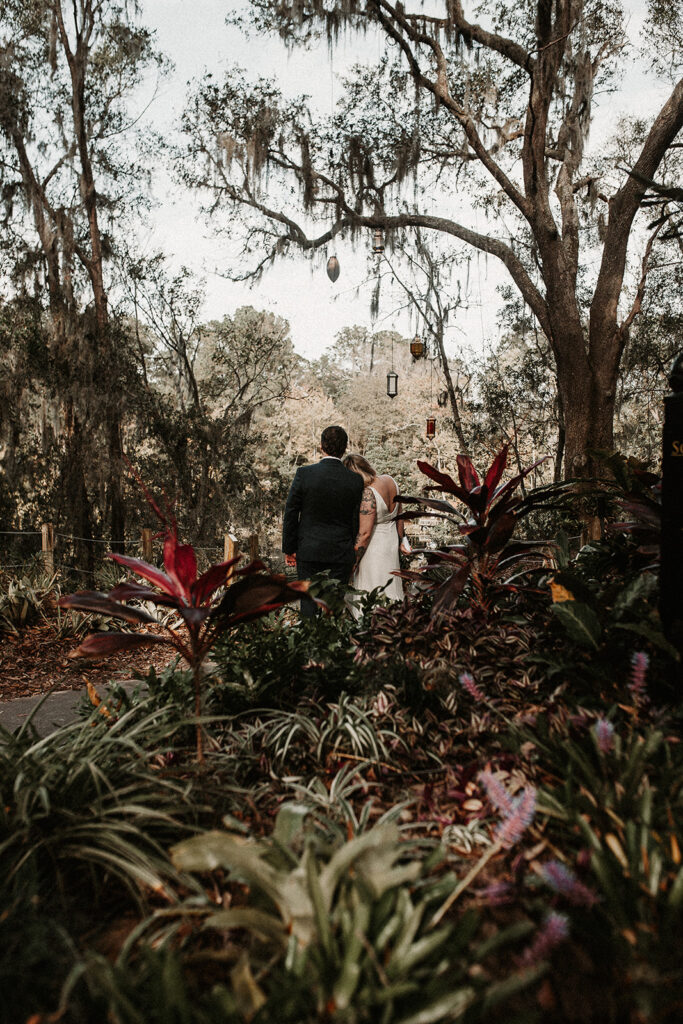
(340, 518)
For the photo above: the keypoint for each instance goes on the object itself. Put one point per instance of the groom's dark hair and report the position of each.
(333, 441)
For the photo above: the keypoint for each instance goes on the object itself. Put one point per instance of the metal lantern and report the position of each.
(392, 384)
(417, 347)
(333, 268)
(378, 241)
(431, 426)
(442, 398)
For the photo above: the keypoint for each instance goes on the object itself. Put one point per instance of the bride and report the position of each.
(379, 534)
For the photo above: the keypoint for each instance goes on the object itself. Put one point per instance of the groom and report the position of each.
(321, 515)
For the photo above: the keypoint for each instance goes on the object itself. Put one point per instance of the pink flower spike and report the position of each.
(497, 793)
(468, 683)
(497, 894)
(604, 735)
(562, 880)
(554, 931)
(513, 827)
(640, 663)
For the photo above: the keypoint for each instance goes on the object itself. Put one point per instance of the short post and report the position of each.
(229, 552)
(48, 544)
(671, 567)
(147, 536)
(253, 547)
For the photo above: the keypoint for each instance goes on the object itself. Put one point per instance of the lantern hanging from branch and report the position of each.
(442, 398)
(417, 347)
(431, 426)
(378, 242)
(333, 268)
(392, 384)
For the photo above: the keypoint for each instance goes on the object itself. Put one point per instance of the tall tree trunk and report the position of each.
(105, 355)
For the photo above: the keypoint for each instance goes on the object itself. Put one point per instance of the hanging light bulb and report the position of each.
(333, 268)
(392, 384)
(378, 241)
(417, 347)
(431, 426)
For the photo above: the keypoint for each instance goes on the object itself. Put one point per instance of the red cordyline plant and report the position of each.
(486, 552)
(205, 606)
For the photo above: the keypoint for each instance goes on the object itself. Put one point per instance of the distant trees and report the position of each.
(67, 75)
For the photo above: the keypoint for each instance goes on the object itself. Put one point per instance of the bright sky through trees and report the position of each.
(195, 37)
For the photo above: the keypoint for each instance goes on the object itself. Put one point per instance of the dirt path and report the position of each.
(32, 661)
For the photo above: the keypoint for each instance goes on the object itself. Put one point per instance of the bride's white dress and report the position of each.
(381, 557)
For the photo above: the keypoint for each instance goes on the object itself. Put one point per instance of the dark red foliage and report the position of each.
(486, 528)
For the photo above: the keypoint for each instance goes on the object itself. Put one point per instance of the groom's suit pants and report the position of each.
(306, 570)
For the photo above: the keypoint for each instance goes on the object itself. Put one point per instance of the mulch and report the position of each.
(32, 661)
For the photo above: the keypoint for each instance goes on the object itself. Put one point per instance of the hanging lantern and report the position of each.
(417, 347)
(442, 398)
(378, 241)
(392, 384)
(333, 268)
(431, 426)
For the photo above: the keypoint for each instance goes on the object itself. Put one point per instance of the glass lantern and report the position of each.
(417, 347)
(392, 384)
(431, 426)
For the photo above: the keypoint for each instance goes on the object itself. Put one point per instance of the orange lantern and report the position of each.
(417, 347)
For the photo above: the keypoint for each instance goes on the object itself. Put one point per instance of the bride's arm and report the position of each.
(366, 521)
(400, 525)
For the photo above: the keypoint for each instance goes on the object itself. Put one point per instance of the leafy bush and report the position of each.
(312, 930)
(84, 806)
(23, 602)
(486, 555)
(205, 605)
(614, 796)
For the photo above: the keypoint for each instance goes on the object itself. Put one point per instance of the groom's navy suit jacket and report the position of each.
(321, 514)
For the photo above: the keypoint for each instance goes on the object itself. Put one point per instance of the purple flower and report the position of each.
(554, 931)
(640, 663)
(604, 735)
(563, 880)
(468, 683)
(497, 893)
(497, 793)
(513, 826)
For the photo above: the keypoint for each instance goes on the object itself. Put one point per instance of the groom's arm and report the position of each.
(290, 522)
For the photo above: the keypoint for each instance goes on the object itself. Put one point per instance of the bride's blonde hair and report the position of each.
(359, 464)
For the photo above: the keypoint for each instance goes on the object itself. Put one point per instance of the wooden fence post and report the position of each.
(48, 544)
(147, 536)
(229, 551)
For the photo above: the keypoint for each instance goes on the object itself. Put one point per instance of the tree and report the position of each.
(67, 73)
(504, 107)
(196, 425)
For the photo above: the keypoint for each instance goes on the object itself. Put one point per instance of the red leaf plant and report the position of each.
(204, 604)
(486, 554)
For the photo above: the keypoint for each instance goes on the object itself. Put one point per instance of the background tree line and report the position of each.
(104, 352)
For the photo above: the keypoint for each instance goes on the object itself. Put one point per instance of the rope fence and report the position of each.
(54, 544)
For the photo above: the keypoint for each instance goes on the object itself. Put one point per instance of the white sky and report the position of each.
(195, 37)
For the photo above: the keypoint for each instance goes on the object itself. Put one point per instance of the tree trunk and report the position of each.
(588, 416)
